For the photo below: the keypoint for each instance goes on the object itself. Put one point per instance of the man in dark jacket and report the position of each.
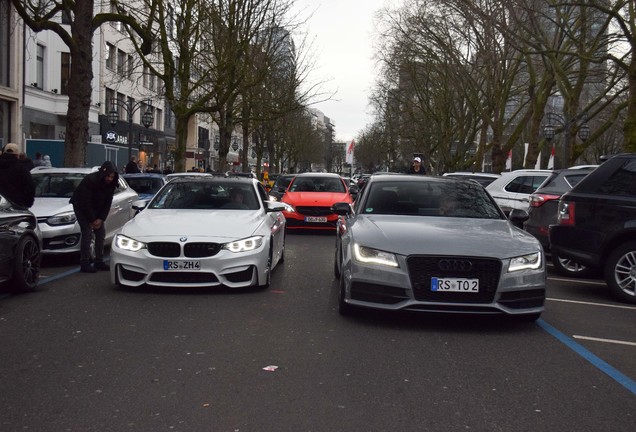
(131, 166)
(417, 167)
(91, 202)
(16, 183)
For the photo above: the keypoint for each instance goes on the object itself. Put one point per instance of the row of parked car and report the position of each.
(584, 217)
(603, 221)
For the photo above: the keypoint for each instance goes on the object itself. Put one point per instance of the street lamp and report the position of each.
(131, 107)
(549, 131)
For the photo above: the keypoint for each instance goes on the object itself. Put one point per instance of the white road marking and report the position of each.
(582, 281)
(604, 340)
(592, 303)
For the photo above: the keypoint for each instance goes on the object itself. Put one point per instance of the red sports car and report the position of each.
(311, 196)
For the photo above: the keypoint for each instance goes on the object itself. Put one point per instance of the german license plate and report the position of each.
(315, 219)
(455, 285)
(181, 265)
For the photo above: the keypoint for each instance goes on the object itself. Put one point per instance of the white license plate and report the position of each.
(315, 219)
(455, 285)
(181, 265)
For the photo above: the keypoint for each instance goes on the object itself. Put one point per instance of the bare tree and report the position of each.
(78, 36)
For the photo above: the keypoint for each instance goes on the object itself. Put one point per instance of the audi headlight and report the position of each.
(525, 262)
(129, 244)
(373, 256)
(244, 245)
(66, 218)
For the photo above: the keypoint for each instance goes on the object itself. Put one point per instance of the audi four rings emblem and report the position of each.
(455, 264)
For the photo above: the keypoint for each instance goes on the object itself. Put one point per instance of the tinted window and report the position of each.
(143, 185)
(317, 184)
(467, 200)
(282, 182)
(622, 181)
(205, 196)
(573, 179)
(56, 185)
(525, 184)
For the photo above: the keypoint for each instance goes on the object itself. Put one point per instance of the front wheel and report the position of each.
(268, 269)
(26, 269)
(336, 264)
(620, 272)
(344, 308)
(567, 267)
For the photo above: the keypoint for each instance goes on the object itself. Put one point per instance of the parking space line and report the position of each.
(592, 303)
(581, 281)
(604, 340)
(58, 276)
(605, 367)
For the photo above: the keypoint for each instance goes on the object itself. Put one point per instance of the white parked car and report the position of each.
(513, 189)
(54, 188)
(483, 179)
(205, 232)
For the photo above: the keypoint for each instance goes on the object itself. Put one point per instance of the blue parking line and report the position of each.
(616, 375)
(57, 276)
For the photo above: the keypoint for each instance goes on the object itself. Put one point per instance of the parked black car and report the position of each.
(280, 185)
(597, 224)
(20, 246)
(544, 203)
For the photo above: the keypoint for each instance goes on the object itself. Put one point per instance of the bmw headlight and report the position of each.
(373, 256)
(66, 218)
(525, 262)
(244, 245)
(129, 244)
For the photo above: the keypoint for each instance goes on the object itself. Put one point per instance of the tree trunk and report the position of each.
(181, 137)
(79, 98)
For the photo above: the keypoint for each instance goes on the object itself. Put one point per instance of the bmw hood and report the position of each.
(407, 235)
(45, 207)
(218, 226)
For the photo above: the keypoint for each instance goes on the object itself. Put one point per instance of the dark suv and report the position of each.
(542, 213)
(597, 224)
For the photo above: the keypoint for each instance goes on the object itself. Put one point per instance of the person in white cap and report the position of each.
(417, 167)
(16, 183)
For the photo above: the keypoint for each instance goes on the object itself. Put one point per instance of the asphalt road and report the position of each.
(79, 355)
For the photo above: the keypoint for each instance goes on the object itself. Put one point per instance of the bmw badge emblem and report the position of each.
(183, 239)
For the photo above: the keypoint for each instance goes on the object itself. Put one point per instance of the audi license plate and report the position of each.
(315, 219)
(181, 265)
(455, 285)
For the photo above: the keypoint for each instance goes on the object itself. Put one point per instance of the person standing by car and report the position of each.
(16, 183)
(131, 166)
(91, 203)
(417, 167)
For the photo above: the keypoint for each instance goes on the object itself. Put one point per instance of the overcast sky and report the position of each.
(342, 34)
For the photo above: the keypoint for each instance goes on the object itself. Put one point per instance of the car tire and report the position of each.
(567, 267)
(282, 252)
(26, 269)
(620, 272)
(269, 269)
(336, 266)
(344, 308)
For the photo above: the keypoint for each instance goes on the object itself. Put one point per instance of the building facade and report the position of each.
(11, 82)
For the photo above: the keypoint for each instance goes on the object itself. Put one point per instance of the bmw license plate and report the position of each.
(455, 285)
(315, 219)
(181, 265)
